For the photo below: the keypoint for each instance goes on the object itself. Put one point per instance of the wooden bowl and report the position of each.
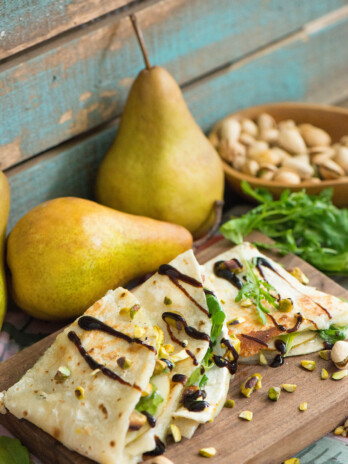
(330, 118)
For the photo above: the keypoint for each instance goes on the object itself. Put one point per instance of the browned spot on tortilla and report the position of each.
(25, 413)
(112, 443)
(121, 413)
(56, 433)
(103, 410)
(250, 347)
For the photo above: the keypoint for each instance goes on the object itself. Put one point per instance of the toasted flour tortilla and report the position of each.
(153, 294)
(96, 425)
(319, 310)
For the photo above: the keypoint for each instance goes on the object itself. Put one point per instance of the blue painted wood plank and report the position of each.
(309, 69)
(77, 85)
(24, 24)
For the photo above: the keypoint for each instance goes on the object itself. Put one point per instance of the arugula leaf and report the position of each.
(217, 319)
(334, 333)
(13, 452)
(150, 403)
(288, 339)
(256, 290)
(307, 225)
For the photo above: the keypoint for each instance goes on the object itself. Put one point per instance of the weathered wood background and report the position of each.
(66, 67)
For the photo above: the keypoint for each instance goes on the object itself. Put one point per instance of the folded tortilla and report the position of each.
(311, 310)
(86, 388)
(96, 424)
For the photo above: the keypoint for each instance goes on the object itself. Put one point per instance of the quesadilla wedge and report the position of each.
(182, 312)
(83, 390)
(112, 382)
(269, 310)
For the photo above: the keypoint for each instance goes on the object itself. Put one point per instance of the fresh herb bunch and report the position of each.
(307, 225)
(257, 290)
(217, 319)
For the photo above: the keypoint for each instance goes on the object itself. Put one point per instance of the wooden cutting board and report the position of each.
(278, 429)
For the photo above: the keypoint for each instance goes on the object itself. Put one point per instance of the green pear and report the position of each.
(161, 165)
(66, 253)
(4, 209)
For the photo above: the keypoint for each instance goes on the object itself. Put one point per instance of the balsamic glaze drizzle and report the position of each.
(280, 346)
(179, 378)
(175, 276)
(190, 331)
(299, 320)
(280, 327)
(93, 364)
(221, 270)
(277, 361)
(257, 340)
(190, 399)
(195, 362)
(91, 323)
(222, 362)
(160, 448)
(150, 419)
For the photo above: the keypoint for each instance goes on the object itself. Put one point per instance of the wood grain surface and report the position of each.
(81, 80)
(278, 430)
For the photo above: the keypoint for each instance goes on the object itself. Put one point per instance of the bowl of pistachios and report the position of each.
(286, 145)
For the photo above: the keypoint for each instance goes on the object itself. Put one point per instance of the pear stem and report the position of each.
(140, 38)
(218, 205)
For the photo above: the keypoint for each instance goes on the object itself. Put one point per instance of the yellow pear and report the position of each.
(66, 253)
(161, 165)
(4, 209)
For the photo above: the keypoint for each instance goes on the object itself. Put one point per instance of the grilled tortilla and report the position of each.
(90, 390)
(309, 309)
(89, 411)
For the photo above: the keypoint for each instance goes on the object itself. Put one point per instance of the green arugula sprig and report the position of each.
(217, 319)
(288, 339)
(257, 291)
(150, 403)
(309, 226)
(334, 333)
(13, 452)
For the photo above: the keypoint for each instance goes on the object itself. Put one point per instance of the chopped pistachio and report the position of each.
(124, 363)
(285, 305)
(292, 461)
(236, 321)
(160, 366)
(136, 420)
(147, 391)
(229, 403)
(222, 301)
(274, 393)
(246, 415)
(207, 452)
(235, 342)
(79, 393)
(299, 275)
(169, 348)
(175, 433)
(133, 311)
(167, 301)
(179, 356)
(250, 384)
(308, 365)
(124, 312)
(303, 406)
(339, 430)
(263, 360)
(62, 374)
(324, 374)
(245, 303)
(138, 331)
(289, 387)
(163, 353)
(339, 375)
(325, 354)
